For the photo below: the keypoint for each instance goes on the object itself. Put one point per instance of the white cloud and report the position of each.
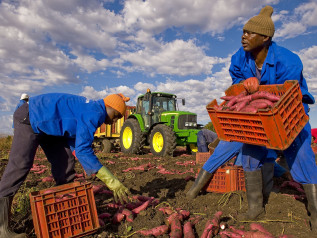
(309, 59)
(304, 17)
(202, 15)
(174, 58)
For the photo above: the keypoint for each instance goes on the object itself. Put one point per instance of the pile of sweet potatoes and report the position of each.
(248, 103)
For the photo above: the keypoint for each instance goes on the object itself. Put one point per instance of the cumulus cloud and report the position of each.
(203, 15)
(174, 58)
(297, 23)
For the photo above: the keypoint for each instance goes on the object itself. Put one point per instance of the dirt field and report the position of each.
(167, 180)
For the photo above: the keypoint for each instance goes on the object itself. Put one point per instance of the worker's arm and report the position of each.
(90, 162)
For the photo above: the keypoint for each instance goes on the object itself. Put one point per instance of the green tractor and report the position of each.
(157, 122)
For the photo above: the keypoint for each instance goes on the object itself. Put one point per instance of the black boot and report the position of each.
(267, 181)
(253, 184)
(311, 194)
(4, 220)
(201, 180)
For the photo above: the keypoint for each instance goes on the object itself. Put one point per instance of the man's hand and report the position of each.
(120, 192)
(251, 85)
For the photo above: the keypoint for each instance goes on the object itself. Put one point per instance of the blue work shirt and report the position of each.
(70, 116)
(280, 65)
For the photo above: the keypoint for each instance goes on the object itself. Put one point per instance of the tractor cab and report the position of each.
(152, 105)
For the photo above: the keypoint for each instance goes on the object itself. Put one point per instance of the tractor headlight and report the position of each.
(191, 124)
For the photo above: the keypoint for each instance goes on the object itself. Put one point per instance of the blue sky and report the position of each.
(97, 47)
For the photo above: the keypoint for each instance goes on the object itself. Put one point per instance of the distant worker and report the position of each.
(24, 99)
(206, 140)
(59, 123)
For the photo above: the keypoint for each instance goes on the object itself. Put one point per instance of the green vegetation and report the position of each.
(210, 126)
(5, 145)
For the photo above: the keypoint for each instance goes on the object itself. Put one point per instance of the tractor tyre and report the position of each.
(162, 140)
(106, 146)
(131, 138)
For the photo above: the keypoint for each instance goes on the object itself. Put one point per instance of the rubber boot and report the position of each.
(253, 184)
(200, 182)
(4, 220)
(311, 194)
(267, 181)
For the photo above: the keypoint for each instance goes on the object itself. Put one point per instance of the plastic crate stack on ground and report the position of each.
(227, 178)
(64, 211)
(275, 128)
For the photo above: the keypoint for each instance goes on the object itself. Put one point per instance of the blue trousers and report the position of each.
(299, 156)
(225, 151)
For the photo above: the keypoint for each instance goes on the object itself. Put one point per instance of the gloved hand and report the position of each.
(251, 84)
(119, 190)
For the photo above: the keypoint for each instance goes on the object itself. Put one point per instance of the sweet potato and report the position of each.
(117, 218)
(188, 230)
(101, 222)
(207, 229)
(234, 99)
(156, 231)
(266, 95)
(48, 179)
(227, 98)
(176, 229)
(173, 216)
(128, 215)
(104, 215)
(166, 210)
(142, 207)
(256, 226)
(268, 102)
(249, 108)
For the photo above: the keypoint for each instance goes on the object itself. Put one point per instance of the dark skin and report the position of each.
(257, 45)
(112, 115)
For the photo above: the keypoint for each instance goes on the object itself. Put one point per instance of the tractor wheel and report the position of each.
(106, 146)
(162, 140)
(191, 149)
(131, 138)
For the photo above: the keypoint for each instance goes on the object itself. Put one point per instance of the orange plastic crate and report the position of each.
(64, 211)
(275, 128)
(227, 178)
(202, 157)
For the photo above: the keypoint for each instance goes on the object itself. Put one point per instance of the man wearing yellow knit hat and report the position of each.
(260, 61)
(59, 123)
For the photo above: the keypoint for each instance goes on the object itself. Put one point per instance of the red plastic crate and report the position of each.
(275, 128)
(227, 178)
(64, 211)
(202, 157)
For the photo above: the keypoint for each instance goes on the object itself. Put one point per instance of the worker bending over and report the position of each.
(59, 123)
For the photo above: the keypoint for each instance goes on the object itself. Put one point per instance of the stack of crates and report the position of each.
(64, 211)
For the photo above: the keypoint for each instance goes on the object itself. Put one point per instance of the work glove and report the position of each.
(120, 192)
(251, 85)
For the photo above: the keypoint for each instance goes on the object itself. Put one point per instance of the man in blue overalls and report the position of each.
(262, 61)
(59, 123)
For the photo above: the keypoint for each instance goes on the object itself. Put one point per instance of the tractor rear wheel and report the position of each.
(162, 140)
(131, 138)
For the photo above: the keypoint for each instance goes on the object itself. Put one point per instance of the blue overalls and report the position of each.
(59, 123)
(280, 65)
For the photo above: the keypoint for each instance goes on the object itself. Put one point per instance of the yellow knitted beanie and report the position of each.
(117, 102)
(262, 23)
